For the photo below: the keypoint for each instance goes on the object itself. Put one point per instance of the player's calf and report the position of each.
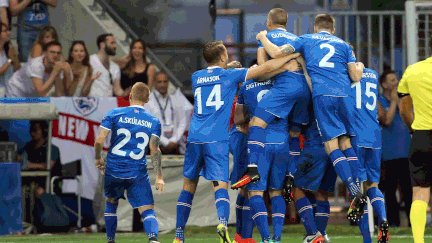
(111, 219)
(151, 225)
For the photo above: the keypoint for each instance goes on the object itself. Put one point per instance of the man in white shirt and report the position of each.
(110, 71)
(39, 77)
(169, 109)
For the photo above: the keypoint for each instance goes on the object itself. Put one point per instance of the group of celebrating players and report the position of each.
(310, 85)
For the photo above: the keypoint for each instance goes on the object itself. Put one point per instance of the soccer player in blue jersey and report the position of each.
(315, 174)
(367, 144)
(332, 67)
(289, 90)
(133, 131)
(207, 150)
(273, 168)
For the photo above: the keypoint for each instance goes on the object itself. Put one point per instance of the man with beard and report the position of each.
(110, 72)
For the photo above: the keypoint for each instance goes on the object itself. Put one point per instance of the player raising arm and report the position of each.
(126, 169)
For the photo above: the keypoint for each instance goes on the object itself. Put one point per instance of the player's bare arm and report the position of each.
(262, 56)
(234, 64)
(273, 50)
(355, 71)
(156, 160)
(269, 66)
(406, 110)
(241, 115)
(292, 66)
(98, 147)
(302, 63)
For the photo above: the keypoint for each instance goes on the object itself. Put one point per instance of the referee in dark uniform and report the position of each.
(415, 90)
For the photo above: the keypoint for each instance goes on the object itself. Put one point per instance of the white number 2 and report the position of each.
(117, 149)
(369, 94)
(324, 61)
(261, 94)
(214, 99)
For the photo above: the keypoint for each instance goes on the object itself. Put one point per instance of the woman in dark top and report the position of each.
(135, 67)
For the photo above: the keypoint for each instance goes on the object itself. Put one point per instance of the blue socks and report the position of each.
(377, 200)
(256, 151)
(278, 216)
(184, 206)
(322, 215)
(248, 223)
(304, 208)
(111, 220)
(151, 225)
(294, 154)
(259, 216)
(352, 159)
(239, 213)
(343, 169)
(222, 205)
(364, 227)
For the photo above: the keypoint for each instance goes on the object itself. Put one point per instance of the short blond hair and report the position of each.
(140, 92)
(324, 22)
(278, 16)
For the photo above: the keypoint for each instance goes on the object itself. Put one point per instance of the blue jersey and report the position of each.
(282, 37)
(251, 92)
(214, 90)
(131, 129)
(366, 125)
(327, 59)
(311, 132)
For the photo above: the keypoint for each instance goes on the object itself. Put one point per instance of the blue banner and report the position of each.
(10, 198)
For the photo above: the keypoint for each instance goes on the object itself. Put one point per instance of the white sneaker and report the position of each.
(326, 238)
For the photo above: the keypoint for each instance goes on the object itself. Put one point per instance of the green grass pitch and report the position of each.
(291, 233)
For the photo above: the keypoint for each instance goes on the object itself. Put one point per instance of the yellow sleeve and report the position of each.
(403, 84)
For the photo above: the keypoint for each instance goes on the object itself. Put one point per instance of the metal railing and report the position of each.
(131, 35)
(418, 21)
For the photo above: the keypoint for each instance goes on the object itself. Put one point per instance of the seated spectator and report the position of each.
(109, 70)
(79, 61)
(37, 78)
(171, 112)
(32, 17)
(135, 67)
(8, 56)
(396, 141)
(46, 35)
(34, 154)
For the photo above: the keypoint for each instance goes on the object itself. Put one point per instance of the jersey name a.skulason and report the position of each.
(214, 91)
(250, 95)
(366, 125)
(327, 59)
(131, 129)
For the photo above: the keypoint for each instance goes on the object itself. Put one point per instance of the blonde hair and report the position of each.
(140, 92)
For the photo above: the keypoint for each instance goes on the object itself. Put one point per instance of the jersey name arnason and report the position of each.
(208, 79)
(257, 84)
(279, 35)
(369, 75)
(327, 38)
(134, 121)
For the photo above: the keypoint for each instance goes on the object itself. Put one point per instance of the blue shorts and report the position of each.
(139, 192)
(282, 97)
(315, 170)
(238, 148)
(273, 169)
(369, 164)
(209, 160)
(300, 114)
(334, 116)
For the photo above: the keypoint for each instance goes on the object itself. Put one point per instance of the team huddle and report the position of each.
(310, 85)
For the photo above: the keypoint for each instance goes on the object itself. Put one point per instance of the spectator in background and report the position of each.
(395, 151)
(4, 15)
(8, 56)
(81, 71)
(170, 112)
(34, 154)
(37, 78)
(109, 70)
(33, 15)
(46, 35)
(135, 67)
